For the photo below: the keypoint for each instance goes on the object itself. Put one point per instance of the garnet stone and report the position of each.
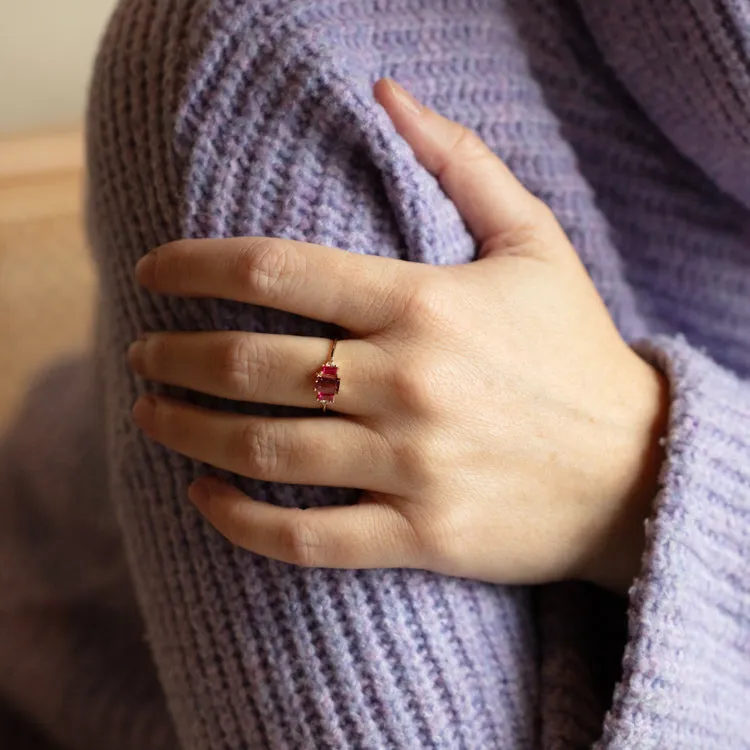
(327, 383)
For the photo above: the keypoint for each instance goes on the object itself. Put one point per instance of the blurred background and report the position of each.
(46, 280)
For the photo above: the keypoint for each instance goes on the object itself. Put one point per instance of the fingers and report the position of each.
(368, 535)
(330, 452)
(258, 367)
(492, 202)
(361, 293)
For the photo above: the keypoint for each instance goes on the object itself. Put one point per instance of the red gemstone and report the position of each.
(327, 383)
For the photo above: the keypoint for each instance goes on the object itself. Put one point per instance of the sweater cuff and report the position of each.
(686, 666)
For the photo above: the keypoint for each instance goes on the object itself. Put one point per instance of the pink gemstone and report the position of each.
(327, 385)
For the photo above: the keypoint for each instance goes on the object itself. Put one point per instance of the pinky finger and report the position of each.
(367, 535)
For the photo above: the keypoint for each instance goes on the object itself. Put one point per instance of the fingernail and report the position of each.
(199, 493)
(136, 353)
(144, 269)
(407, 99)
(143, 412)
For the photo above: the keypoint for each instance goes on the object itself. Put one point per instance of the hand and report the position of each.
(498, 425)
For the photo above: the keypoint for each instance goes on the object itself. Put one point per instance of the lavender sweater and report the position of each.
(127, 623)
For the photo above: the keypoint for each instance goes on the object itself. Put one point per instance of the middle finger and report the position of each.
(330, 452)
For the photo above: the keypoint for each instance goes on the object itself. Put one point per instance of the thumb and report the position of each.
(496, 207)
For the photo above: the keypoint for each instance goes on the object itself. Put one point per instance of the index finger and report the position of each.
(361, 293)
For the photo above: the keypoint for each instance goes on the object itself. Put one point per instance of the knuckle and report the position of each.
(413, 390)
(259, 450)
(299, 541)
(541, 218)
(426, 303)
(526, 237)
(467, 148)
(240, 365)
(468, 145)
(268, 268)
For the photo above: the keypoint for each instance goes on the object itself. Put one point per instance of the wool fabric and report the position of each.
(128, 623)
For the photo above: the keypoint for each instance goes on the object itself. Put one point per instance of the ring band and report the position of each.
(327, 381)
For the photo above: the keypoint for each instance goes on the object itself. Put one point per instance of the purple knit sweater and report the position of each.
(129, 624)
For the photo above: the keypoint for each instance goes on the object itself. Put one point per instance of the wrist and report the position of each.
(633, 472)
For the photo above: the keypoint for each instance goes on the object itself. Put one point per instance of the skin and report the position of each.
(545, 468)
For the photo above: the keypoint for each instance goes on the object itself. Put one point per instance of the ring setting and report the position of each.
(327, 381)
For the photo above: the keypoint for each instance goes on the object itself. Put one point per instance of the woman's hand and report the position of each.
(499, 426)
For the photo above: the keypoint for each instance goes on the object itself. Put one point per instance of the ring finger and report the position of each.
(258, 367)
(335, 452)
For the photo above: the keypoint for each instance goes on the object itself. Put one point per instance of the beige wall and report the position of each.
(46, 50)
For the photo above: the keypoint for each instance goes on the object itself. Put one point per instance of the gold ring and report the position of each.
(327, 381)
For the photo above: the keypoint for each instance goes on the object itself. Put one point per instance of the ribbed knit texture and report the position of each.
(241, 117)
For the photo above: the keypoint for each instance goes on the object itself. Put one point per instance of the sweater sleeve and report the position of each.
(73, 662)
(235, 119)
(686, 667)
(254, 118)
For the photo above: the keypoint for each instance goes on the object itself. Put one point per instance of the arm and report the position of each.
(687, 663)
(428, 230)
(489, 516)
(265, 136)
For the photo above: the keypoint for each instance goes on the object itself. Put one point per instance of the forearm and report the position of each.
(254, 652)
(689, 605)
(633, 482)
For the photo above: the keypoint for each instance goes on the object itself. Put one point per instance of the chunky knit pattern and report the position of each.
(251, 117)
